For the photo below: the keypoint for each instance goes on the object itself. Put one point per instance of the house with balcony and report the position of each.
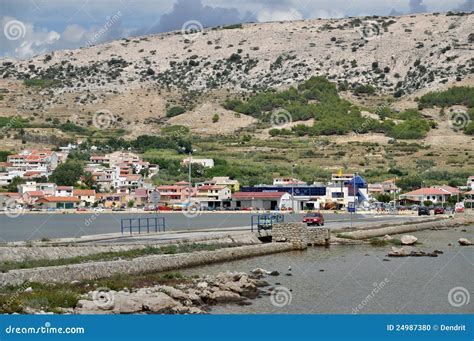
(178, 193)
(86, 196)
(112, 200)
(213, 196)
(64, 191)
(48, 189)
(386, 187)
(43, 161)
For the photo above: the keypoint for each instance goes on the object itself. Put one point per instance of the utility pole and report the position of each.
(293, 187)
(189, 181)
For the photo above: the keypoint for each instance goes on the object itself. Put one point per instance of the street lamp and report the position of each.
(293, 187)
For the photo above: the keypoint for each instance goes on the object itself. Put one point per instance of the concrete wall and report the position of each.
(155, 263)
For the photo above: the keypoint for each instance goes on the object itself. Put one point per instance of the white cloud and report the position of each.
(74, 33)
(278, 15)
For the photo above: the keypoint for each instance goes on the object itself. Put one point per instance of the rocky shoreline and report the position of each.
(196, 296)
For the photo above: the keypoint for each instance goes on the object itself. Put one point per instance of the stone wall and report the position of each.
(35, 252)
(410, 227)
(319, 236)
(155, 263)
(300, 235)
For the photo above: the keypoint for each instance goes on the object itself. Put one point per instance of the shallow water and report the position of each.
(356, 279)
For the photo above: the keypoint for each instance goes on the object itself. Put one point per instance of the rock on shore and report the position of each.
(464, 242)
(194, 297)
(408, 239)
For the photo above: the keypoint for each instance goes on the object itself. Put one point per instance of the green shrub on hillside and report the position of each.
(462, 95)
(41, 83)
(175, 111)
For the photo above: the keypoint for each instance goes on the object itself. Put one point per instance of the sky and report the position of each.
(31, 27)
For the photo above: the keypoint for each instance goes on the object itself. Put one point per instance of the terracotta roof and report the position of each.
(141, 192)
(65, 188)
(58, 199)
(165, 187)
(471, 192)
(210, 187)
(450, 189)
(426, 191)
(258, 195)
(83, 192)
(133, 177)
(35, 193)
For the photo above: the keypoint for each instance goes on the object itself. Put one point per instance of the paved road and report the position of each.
(38, 226)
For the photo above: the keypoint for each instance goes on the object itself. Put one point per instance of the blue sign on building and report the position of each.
(309, 191)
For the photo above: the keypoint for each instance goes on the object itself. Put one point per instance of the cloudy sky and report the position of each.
(31, 27)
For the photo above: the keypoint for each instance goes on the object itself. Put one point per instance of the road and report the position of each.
(39, 226)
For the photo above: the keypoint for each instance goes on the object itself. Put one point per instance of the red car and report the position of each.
(438, 210)
(314, 219)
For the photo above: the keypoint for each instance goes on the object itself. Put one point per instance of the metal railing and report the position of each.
(154, 223)
(265, 221)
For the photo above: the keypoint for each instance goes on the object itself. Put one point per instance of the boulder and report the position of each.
(161, 303)
(224, 296)
(126, 303)
(387, 237)
(260, 271)
(202, 285)
(464, 242)
(408, 239)
(398, 252)
(173, 292)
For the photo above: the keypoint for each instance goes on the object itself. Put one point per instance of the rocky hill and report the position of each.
(136, 80)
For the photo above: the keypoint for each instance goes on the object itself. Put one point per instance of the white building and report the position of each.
(213, 196)
(470, 182)
(206, 163)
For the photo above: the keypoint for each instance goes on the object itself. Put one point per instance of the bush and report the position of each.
(364, 89)
(410, 129)
(175, 111)
(462, 95)
(41, 83)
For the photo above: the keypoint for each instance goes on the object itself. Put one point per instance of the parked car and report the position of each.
(438, 210)
(459, 209)
(81, 209)
(313, 219)
(423, 211)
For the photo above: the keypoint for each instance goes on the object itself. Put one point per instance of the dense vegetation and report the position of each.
(144, 143)
(318, 98)
(462, 95)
